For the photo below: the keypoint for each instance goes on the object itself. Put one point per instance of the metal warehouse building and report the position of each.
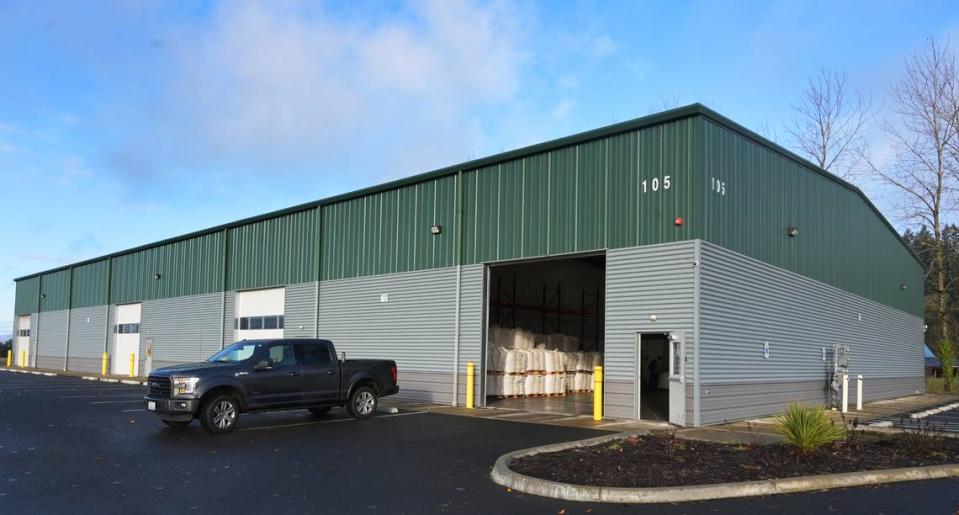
(680, 238)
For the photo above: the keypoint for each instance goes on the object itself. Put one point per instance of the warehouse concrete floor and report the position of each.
(654, 405)
(569, 404)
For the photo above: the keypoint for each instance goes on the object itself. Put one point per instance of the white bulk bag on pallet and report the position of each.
(494, 384)
(522, 339)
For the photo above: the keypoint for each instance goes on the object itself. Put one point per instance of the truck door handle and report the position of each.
(294, 373)
(329, 372)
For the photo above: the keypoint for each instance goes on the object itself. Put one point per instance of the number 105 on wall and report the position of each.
(717, 186)
(655, 184)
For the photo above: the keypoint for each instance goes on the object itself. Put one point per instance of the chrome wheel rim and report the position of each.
(224, 414)
(364, 403)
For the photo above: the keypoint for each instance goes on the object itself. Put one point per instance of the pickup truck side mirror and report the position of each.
(263, 364)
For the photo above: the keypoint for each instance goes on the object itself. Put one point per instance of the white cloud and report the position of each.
(604, 46)
(563, 108)
(72, 170)
(6, 143)
(568, 82)
(282, 82)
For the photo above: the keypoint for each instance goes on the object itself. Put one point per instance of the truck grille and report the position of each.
(159, 386)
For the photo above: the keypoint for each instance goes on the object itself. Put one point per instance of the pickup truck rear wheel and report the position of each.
(320, 411)
(218, 414)
(362, 402)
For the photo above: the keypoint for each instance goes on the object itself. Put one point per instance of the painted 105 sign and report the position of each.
(655, 184)
(717, 186)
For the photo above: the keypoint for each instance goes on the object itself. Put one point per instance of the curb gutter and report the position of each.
(504, 476)
(78, 376)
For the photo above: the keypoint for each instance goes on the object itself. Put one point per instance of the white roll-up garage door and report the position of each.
(260, 313)
(21, 348)
(126, 339)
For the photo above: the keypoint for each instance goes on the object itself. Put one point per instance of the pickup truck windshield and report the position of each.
(234, 353)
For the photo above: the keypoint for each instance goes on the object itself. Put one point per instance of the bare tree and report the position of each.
(925, 169)
(830, 122)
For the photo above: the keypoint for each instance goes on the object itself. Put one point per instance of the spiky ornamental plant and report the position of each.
(808, 428)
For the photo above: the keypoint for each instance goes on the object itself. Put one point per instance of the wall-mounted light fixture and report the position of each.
(157, 276)
(902, 286)
(678, 221)
(436, 229)
(43, 295)
(792, 231)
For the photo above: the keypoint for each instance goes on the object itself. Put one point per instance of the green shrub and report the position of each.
(808, 428)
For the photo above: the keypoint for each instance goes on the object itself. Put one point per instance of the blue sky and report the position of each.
(126, 122)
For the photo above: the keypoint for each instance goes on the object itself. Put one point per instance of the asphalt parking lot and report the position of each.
(944, 422)
(68, 445)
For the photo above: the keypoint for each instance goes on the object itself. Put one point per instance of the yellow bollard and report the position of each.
(23, 358)
(470, 377)
(132, 360)
(103, 364)
(597, 393)
(9, 357)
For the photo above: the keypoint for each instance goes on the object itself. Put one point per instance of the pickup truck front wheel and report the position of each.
(362, 402)
(218, 414)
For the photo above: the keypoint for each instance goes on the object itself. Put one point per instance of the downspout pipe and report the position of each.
(459, 280)
(66, 350)
(226, 264)
(106, 318)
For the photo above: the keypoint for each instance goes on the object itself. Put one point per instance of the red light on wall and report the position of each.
(679, 221)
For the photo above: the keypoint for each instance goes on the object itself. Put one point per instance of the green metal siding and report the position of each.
(389, 232)
(27, 295)
(90, 284)
(187, 267)
(841, 241)
(583, 193)
(273, 252)
(583, 198)
(55, 291)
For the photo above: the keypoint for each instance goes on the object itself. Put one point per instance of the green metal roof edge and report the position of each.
(779, 149)
(602, 132)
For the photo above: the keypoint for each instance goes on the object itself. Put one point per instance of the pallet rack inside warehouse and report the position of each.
(550, 311)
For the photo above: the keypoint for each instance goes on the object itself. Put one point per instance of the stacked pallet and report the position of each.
(525, 364)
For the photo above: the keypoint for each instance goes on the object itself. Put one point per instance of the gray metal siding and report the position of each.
(745, 302)
(300, 310)
(34, 338)
(415, 328)
(184, 329)
(111, 320)
(229, 314)
(87, 337)
(52, 339)
(640, 282)
(472, 293)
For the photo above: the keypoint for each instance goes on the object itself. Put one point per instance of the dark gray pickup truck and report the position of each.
(254, 375)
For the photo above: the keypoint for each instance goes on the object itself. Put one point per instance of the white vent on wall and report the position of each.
(384, 297)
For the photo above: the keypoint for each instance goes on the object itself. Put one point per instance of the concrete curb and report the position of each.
(504, 476)
(78, 376)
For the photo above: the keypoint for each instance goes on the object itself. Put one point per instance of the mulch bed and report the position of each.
(651, 461)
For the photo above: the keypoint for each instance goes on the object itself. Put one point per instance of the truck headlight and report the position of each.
(184, 385)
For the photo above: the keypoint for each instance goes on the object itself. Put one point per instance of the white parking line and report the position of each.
(63, 386)
(132, 410)
(116, 402)
(326, 422)
(140, 395)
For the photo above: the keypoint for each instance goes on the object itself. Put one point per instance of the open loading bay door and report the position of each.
(545, 334)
